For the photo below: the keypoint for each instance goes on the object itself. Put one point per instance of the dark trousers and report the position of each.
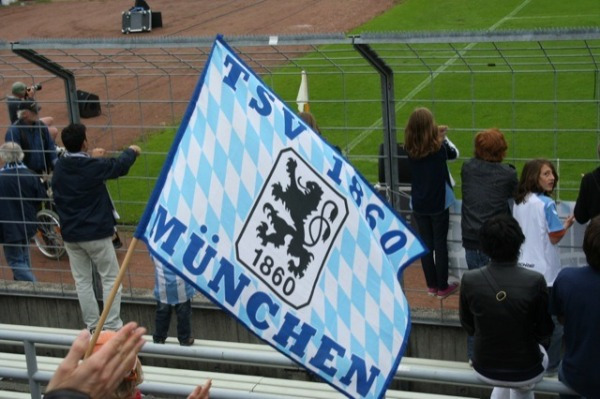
(475, 260)
(163, 319)
(433, 230)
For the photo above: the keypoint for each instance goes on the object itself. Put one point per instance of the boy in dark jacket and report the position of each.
(86, 218)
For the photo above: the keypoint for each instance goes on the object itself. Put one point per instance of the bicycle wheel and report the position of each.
(48, 238)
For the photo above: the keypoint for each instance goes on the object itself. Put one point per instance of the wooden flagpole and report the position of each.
(111, 298)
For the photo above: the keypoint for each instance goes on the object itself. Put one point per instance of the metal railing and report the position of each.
(409, 369)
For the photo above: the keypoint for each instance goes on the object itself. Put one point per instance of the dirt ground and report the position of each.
(102, 18)
(196, 18)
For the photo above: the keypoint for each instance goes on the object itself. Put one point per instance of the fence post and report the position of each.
(30, 358)
(388, 112)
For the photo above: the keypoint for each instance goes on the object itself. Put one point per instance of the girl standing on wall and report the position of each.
(428, 150)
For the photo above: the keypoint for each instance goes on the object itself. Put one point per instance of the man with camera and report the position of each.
(33, 137)
(20, 92)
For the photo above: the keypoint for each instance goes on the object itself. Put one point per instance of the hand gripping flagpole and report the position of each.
(111, 297)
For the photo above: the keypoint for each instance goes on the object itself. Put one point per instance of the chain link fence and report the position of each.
(539, 87)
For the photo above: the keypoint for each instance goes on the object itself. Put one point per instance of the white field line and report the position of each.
(557, 16)
(400, 104)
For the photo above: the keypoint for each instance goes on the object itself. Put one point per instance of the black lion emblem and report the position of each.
(300, 202)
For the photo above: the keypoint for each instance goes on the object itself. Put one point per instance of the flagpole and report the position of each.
(111, 297)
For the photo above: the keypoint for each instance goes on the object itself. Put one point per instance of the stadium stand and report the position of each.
(172, 380)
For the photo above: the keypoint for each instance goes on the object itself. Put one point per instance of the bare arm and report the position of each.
(556, 236)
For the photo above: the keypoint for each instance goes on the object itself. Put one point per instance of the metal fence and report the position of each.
(539, 87)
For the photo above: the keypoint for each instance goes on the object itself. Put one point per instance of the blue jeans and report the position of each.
(17, 257)
(475, 259)
(163, 319)
(433, 230)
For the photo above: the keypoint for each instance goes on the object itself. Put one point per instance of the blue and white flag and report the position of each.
(270, 222)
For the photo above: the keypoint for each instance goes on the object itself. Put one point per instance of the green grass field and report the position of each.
(543, 96)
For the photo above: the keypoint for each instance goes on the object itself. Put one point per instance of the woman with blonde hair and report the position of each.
(428, 150)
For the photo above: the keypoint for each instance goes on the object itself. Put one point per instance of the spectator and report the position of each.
(487, 187)
(86, 218)
(171, 291)
(20, 194)
(536, 213)
(588, 200)
(428, 150)
(34, 139)
(505, 308)
(311, 121)
(21, 92)
(575, 302)
(101, 375)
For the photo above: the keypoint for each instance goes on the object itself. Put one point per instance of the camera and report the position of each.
(37, 87)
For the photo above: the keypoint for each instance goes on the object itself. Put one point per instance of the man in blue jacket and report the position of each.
(86, 218)
(33, 137)
(21, 193)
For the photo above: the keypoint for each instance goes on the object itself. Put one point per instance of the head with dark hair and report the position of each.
(501, 238)
(591, 243)
(530, 179)
(73, 137)
(490, 145)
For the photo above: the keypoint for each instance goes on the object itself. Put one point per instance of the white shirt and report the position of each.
(538, 217)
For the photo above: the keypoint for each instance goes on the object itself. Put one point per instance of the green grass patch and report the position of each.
(543, 96)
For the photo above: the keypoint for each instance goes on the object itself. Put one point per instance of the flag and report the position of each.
(271, 223)
(302, 98)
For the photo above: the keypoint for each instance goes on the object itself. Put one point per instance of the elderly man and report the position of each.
(33, 137)
(86, 218)
(20, 194)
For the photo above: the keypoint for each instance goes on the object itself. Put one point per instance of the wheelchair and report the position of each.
(48, 238)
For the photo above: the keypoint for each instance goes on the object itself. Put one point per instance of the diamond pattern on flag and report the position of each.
(266, 219)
